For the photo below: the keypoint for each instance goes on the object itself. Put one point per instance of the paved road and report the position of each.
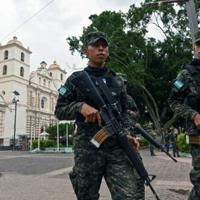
(26, 176)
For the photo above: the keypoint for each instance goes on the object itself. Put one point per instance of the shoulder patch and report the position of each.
(63, 90)
(178, 84)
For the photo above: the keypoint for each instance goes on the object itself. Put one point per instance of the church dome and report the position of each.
(15, 41)
(54, 65)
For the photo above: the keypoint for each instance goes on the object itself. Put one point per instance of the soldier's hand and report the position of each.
(132, 113)
(197, 120)
(134, 142)
(91, 114)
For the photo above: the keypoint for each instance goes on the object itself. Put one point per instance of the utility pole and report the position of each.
(192, 18)
(191, 13)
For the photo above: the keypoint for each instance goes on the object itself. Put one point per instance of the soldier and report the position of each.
(134, 115)
(151, 147)
(173, 140)
(167, 140)
(132, 108)
(109, 161)
(185, 101)
(150, 129)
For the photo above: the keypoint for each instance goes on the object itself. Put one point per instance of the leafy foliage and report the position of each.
(44, 144)
(181, 142)
(147, 61)
(143, 142)
(52, 130)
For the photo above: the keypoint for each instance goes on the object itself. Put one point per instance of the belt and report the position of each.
(194, 139)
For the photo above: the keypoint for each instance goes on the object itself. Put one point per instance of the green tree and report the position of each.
(150, 64)
(52, 130)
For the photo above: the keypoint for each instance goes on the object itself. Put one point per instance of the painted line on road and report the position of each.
(58, 172)
(172, 183)
(33, 156)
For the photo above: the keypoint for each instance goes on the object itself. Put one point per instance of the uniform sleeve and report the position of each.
(177, 102)
(67, 105)
(126, 121)
(133, 109)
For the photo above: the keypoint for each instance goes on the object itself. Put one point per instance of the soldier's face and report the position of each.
(97, 53)
(197, 50)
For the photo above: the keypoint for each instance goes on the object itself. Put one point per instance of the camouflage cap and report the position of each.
(197, 37)
(93, 37)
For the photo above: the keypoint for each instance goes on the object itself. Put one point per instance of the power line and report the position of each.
(27, 20)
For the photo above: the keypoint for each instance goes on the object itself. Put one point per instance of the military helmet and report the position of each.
(93, 37)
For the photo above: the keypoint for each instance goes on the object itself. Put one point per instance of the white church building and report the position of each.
(36, 93)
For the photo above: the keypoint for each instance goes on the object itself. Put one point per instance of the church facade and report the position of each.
(27, 99)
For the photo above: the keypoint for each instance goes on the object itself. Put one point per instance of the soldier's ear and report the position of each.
(85, 52)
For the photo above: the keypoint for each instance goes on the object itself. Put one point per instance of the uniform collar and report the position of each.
(96, 71)
(195, 62)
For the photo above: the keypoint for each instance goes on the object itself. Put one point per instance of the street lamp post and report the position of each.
(15, 101)
(67, 135)
(58, 135)
(31, 135)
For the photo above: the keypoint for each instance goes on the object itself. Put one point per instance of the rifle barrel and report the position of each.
(149, 138)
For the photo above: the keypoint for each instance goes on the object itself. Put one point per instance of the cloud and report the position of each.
(46, 33)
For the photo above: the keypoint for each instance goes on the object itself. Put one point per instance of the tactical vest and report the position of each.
(112, 82)
(193, 98)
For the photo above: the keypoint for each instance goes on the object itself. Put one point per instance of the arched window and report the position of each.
(39, 80)
(44, 82)
(50, 74)
(5, 55)
(22, 71)
(43, 102)
(22, 56)
(61, 77)
(4, 69)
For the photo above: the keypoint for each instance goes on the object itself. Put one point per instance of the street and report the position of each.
(28, 176)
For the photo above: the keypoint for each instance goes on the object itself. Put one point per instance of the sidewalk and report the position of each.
(171, 183)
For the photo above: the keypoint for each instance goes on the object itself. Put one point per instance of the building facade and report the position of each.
(31, 96)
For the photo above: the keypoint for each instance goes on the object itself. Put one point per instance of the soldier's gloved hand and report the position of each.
(197, 120)
(133, 141)
(91, 114)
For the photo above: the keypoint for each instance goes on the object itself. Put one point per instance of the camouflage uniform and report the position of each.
(92, 164)
(150, 129)
(185, 102)
(139, 190)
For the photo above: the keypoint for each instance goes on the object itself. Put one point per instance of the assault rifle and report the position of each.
(111, 121)
(149, 138)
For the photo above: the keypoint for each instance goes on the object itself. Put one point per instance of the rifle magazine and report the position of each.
(99, 137)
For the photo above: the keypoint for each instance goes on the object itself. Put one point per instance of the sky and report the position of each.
(45, 33)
